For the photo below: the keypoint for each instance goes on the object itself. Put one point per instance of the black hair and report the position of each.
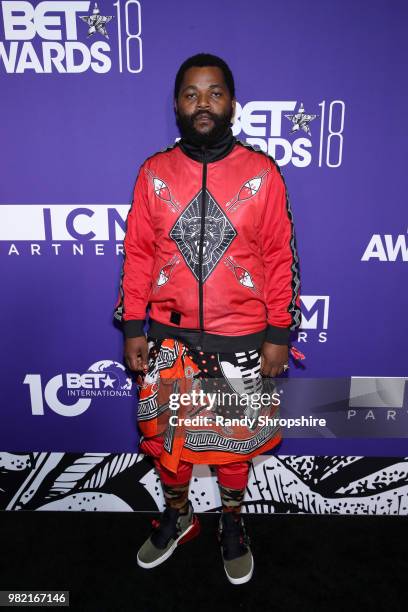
(200, 60)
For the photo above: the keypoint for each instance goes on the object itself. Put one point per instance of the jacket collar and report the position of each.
(213, 153)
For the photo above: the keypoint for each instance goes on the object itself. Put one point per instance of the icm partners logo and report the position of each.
(315, 317)
(282, 129)
(62, 229)
(103, 379)
(71, 37)
(378, 399)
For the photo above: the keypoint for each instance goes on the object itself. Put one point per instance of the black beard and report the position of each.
(185, 124)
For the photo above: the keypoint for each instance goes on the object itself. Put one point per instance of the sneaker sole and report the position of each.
(243, 579)
(190, 533)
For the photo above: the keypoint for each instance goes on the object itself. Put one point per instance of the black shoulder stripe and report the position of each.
(257, 149)
(247, 145)
(169, 147)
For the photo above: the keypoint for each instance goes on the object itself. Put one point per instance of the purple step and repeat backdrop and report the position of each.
(86, 96)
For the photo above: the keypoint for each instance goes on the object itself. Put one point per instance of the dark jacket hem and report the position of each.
(206, 342)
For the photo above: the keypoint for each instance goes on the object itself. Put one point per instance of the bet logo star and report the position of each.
(108, 381)
(97, 22)
(301, 120)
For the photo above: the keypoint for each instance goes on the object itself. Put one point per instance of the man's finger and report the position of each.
(274, 371)
(277, 371)
(133, 365)
(133, 361)
(270, 370)
(143, 358)
(139, 380)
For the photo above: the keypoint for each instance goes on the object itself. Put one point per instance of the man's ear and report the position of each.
(234, 106)
(175, 105)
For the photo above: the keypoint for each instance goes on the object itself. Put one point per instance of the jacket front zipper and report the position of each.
(200, 250)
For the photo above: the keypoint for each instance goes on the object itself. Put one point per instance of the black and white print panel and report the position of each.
(231, 373)
(90, 482)
(242, 370)
(218, 235)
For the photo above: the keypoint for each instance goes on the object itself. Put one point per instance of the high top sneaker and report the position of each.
(235, 551)
(171, 530)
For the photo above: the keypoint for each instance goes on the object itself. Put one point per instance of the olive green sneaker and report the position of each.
(235, 551)
(169, 532)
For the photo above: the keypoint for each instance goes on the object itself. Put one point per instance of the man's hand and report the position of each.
(136, 353)
(273, 358)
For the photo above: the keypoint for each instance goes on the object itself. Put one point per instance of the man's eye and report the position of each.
(217, 93)
(190, 95)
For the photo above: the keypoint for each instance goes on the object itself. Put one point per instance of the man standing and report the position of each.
(210, 247)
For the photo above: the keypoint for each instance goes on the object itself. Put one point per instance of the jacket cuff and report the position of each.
(277, 335)
(133, 328)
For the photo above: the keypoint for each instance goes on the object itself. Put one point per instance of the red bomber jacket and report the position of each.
(210, 246)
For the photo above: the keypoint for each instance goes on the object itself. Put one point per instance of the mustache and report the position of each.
(209, 114)
(186, 125)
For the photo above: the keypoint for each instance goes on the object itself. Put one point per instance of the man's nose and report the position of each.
(203, 101)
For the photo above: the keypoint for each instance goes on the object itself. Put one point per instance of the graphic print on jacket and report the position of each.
(241, 274)
(219, 233)
(162, 191)
(247, 191)
(166, 272)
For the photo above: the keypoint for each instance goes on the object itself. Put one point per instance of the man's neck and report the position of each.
(212, 152)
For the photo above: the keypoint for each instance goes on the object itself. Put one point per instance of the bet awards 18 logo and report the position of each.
(70, 37)
(102, 379)
(283, 129)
